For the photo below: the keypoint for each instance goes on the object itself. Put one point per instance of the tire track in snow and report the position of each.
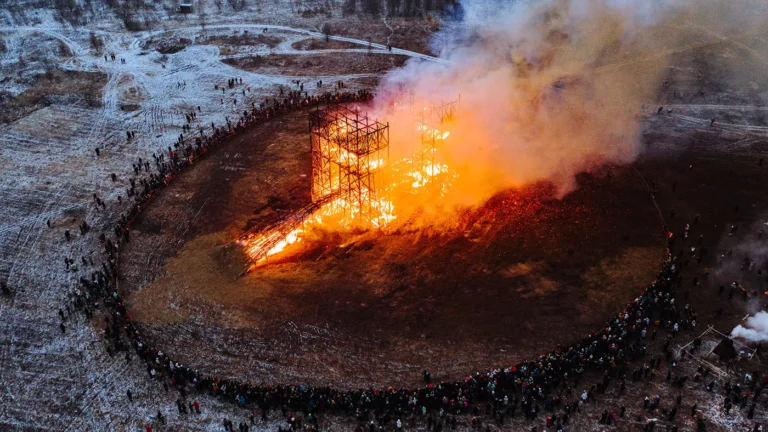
(336, 38)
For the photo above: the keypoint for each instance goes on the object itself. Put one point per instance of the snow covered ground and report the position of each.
(50, 171)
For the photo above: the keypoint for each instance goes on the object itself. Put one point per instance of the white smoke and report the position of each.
(551, 88)
(755, 329)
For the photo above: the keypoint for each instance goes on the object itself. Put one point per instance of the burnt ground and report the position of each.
(514, 278)
(511, 279)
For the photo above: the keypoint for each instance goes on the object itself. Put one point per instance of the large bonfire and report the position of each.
(549, 89)
(419, 177)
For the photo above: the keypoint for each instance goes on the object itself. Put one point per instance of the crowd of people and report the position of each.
(547, 388)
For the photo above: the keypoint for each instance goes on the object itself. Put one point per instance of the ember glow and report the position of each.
(370, 200)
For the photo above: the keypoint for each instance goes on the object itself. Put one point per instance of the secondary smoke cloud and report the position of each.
(549, 88)
(756, 328)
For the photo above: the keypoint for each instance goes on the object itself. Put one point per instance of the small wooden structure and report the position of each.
(724, 353)
(725, 350)
(186, 8)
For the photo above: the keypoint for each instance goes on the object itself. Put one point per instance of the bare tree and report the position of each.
(69, 10)
(97, 43)
(64, 49)
(349, 7)
(372, 7)
(201, 13)
(327, 31)
(410, 8)
(393, 7)
(237, 5)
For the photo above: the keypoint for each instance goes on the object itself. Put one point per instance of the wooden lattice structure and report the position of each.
(347, 150)
(263, 237)
(707, 358)
(430, 120)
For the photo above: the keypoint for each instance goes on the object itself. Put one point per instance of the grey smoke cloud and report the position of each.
(755, 329)
(550, 88)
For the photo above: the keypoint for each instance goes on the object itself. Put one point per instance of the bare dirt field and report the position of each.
(83, 85)
(507, 270)
(245, 38)
(321, 44)
(318, 65)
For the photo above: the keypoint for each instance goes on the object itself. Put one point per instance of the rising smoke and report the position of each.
(547, 89)
(756, 328)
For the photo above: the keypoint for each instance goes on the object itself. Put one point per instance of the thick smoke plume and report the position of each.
(547, 89)
(756, 328)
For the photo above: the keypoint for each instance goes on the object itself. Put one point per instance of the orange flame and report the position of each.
(407, 175)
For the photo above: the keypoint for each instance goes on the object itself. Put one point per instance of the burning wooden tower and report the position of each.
(430, 121)
(348, 150)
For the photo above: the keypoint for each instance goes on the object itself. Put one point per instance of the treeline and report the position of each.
(135, 14)
(72, 11)
(404, 8)
(143, 14)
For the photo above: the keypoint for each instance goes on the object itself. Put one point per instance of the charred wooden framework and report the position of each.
(348, 149)
(430, 119)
